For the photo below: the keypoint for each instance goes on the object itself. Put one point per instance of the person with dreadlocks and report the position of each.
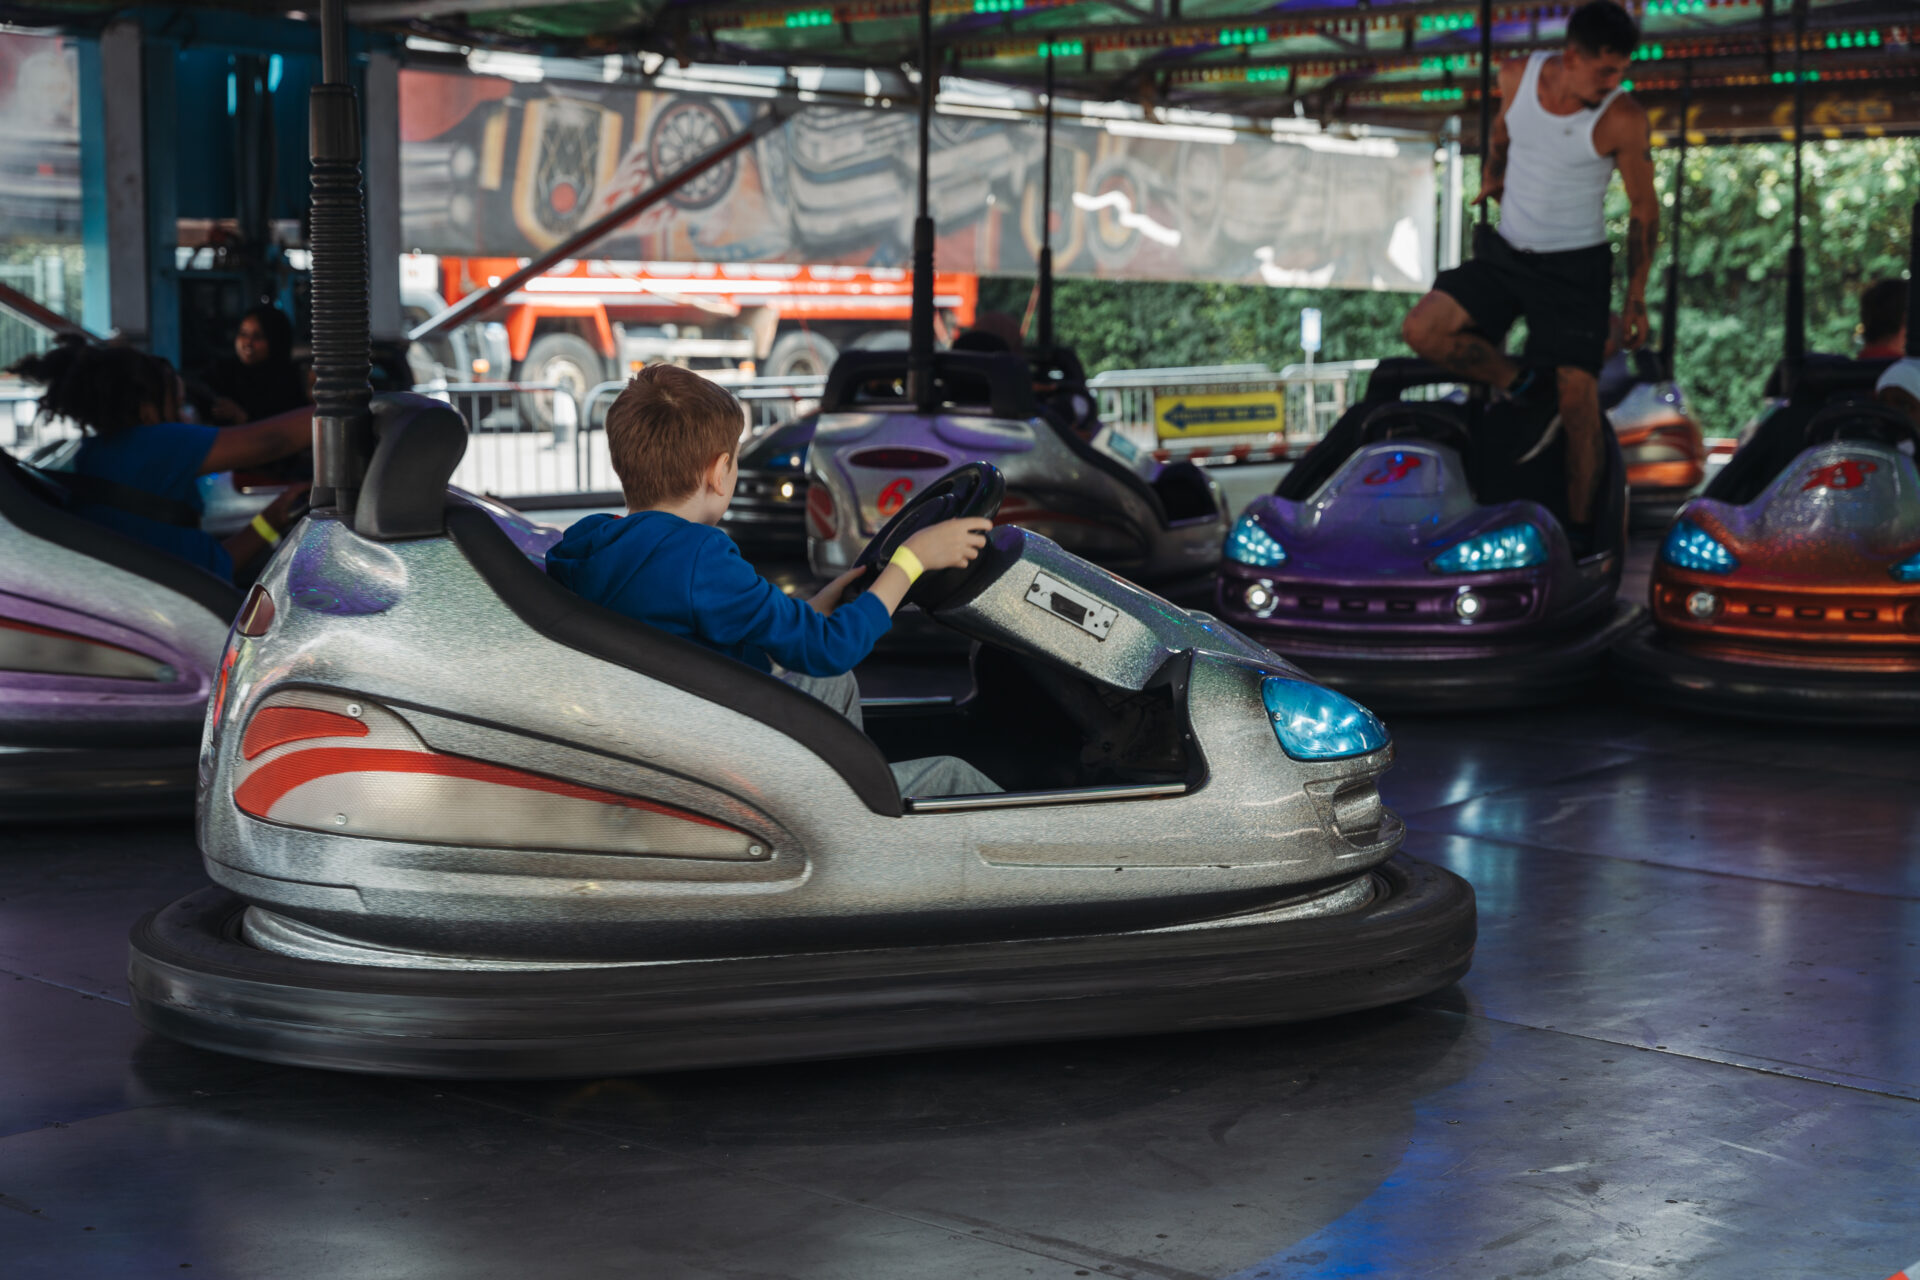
(135, 468)
(260, 378)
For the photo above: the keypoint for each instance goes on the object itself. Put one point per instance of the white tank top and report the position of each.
(1556, 183)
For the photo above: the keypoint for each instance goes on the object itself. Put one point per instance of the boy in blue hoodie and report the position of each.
(674, 440)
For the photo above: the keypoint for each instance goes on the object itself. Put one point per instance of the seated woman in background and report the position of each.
(260, 378)
(135, 469)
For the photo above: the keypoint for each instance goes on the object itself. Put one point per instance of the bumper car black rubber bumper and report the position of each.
(193, 979)
(1655, 667)
(56, 784)
(1428, 678)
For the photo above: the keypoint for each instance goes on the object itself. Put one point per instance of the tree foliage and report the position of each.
(1738, 212)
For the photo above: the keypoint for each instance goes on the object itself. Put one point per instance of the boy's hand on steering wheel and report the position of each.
(829, 597)
(950, 544)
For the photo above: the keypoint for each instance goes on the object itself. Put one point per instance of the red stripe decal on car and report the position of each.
(264, 787)
(276, 726)
(14, 624)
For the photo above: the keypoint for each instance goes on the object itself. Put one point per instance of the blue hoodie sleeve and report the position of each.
(733, 605)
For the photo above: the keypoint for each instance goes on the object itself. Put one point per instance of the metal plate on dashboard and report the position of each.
(1072, 604)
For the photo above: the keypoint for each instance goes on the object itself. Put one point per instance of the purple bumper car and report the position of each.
(110, 648)
(1415, 560)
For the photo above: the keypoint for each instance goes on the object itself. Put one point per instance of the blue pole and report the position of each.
(96, 305)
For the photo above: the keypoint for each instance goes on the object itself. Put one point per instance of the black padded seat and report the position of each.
(1500, 433)
(1823, 380)
(995, 382)
(566, 619)
(1390, 378)
(1396, 374)
(25, 503)
(405, 496)
(1625, 370)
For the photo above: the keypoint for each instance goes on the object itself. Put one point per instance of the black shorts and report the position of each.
(1565, 297)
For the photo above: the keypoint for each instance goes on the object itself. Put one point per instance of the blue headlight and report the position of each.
(1313, 723)
(1907, 570)
(1691, 547)
(1251, 544)
(1513, 546)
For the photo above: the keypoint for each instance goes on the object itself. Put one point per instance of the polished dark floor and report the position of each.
(1689, 1047)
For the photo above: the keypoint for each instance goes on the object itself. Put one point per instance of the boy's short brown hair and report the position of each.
(666, 429)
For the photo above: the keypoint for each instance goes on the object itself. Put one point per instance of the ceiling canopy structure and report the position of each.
(1406, 65)
(1409, 65)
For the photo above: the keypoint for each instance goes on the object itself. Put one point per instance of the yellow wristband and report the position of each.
(268, 534)
(909, 564)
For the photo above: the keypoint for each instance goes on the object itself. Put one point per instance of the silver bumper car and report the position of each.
(463, 823)
(1158, 525)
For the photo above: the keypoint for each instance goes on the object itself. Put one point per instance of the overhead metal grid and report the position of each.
(1353, 62)
(1400, 65)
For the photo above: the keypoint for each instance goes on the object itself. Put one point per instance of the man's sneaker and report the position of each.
(1534, 386)
(1546, 438)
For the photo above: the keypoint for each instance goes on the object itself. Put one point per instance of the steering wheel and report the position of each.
(975, 489)
(1863, 421)
(1400, 420)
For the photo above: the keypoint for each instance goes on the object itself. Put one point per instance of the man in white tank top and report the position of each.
(1564, 126)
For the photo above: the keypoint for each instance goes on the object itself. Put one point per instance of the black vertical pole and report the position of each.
(1486, 96)
(920, 327)
(1797, 254)
(1670, 308)
(1913, 284)
(1046, 223)
(342, 425)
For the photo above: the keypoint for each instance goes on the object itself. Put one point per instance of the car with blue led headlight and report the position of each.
(463, 823)
(768, 515)
(1790, 589)
(1415, 557)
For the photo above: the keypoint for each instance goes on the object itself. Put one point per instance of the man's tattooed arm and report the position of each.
(1634, 156)
(1640, 236)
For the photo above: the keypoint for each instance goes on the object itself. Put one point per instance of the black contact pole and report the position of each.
(920, 327)
(1486, 98)
(342, 425)
(1670, 307)
(1046, 222)
(1797, 254)
(1913, 284)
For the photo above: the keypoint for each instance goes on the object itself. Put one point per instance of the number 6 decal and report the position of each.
(894, 496)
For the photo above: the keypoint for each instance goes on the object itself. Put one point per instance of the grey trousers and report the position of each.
(930, 776)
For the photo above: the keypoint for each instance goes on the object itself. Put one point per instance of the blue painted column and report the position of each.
(96, 307)
(128, 210)
(159, 109)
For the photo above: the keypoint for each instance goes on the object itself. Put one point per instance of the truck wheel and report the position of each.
(565, 358)
(801, 355)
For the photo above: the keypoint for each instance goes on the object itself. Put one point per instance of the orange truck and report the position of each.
(589, 321)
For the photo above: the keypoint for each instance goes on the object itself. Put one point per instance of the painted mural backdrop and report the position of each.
(494, 166)
(39, 139)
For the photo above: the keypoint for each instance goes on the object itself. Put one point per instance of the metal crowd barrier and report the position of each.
(22, 430)
(525, 440)
(535, 444)
(1228, 413)
(769, 401)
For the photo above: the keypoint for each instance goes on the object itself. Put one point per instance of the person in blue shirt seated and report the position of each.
(674, 439)
(136, 468)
